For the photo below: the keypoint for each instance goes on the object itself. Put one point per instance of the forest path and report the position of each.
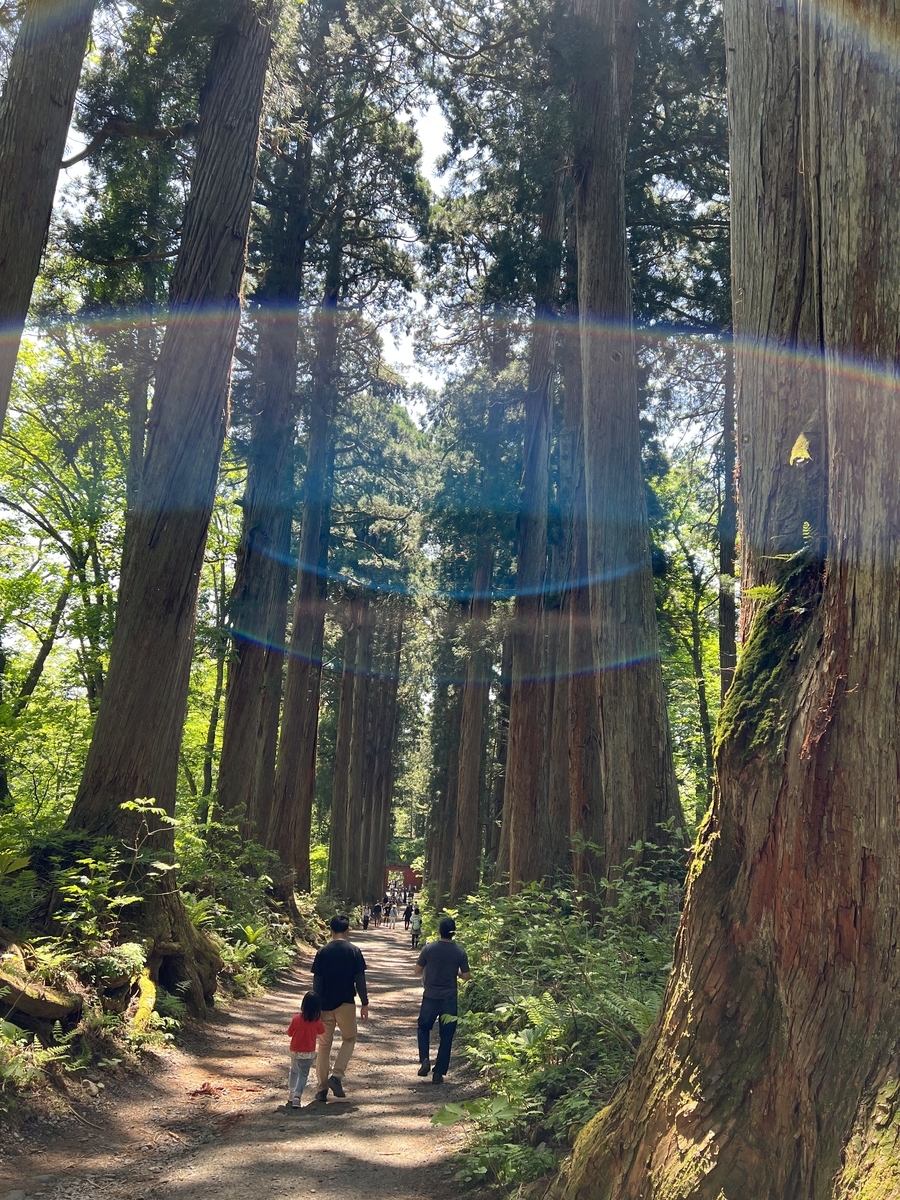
(209, 1120)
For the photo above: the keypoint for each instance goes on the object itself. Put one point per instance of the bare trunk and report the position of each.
(338, 845)
(638, 774)
(529, 708)
(464, 875)
(773, 1069)
(209, 749)
(35, 111)
(295, 769)
(359, 747)
(134, 750)
(262, 575)
(728, 534)
(385, 744)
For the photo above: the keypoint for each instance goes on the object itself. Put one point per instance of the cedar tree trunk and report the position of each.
(262, 574)
(35, 111)
(638, 774)
(134, 749)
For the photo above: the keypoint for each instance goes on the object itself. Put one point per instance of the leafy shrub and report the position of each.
(556, 1008)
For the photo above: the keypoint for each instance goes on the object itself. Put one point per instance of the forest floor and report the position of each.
(208, 1119)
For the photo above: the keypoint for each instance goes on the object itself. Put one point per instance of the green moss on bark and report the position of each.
(753, 717)
(871, 1168)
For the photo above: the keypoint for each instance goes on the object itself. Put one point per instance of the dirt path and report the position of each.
(209, 1121)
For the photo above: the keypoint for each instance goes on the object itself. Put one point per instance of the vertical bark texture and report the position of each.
(134, 750)
(338, 845)
(360, 761)
(295, 769)
(262, 577)
(466, 853)
(774, 1068)
(728, 534)
(530, 696)
(35, 111)
(638, 774)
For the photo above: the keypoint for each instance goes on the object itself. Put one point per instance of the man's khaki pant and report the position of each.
(344, 1017)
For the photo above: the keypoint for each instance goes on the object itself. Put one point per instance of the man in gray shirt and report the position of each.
(442, 964)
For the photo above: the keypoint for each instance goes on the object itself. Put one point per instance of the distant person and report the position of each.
(442, 964)
(303, 1031)
(415, 924)
(376, 914)
(394, 916)
(339, 975)
(407, 916)
(366, 916)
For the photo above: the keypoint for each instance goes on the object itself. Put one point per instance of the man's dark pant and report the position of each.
(430, 1011)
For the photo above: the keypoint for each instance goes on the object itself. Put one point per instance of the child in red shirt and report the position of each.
(303, 1031)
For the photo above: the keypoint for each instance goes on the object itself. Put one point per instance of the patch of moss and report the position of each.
(871, 1168)
(752, 716)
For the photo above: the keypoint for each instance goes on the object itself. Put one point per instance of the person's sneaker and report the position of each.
(337, 1087)
(424, 1069)
(295, 1101)
(437, 1078)
(323, 1095)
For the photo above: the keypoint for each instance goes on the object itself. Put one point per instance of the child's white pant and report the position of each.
(300, 1065)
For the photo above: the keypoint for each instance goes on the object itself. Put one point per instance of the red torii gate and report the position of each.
(411, 879)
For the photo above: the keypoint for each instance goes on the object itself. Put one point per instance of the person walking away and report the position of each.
(366, 916)
(304, 1029)
(415, 922)
(376, 914)
(407, 916)
(339, 975)
(441, 964)
(394, 916)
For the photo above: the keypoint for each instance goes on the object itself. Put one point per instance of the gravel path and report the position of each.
(209, 1121)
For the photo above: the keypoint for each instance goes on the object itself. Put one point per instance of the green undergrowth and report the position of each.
(66, 934)
(555, 1010)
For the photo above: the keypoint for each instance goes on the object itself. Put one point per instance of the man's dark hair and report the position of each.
(340, 923)
(447, 927)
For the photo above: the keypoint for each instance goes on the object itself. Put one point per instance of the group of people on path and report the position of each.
(339, 977)
(387, 910)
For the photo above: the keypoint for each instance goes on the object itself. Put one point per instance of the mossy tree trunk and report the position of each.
(773, 1070)
(135, 746)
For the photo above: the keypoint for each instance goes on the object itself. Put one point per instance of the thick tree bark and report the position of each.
(35, 111)
(773, 1069)
(262, 575)
(728, 533)
(529, 708)
(638, 774)
(134, 750)
(587, 813)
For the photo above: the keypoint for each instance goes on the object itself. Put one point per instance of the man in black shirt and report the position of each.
(441, 963)
(339, 975)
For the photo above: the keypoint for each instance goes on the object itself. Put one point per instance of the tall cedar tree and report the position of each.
(772, 1070)
(639, 786)
(35, 110)
(134, 749)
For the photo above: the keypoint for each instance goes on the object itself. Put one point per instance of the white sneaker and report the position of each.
(295, 1101)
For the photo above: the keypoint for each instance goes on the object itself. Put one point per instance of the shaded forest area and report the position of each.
(359, 512)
